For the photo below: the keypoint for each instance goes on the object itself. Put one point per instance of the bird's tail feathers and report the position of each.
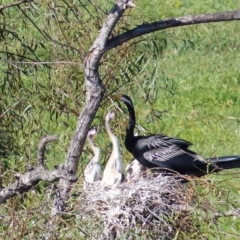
(225, 159)
(226, 162)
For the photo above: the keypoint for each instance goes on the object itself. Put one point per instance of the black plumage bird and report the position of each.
(158, 150)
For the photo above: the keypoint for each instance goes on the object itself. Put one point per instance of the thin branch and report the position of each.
(14, 55)
(171, 23)
(46, 35)
(9, 108)
(14, 65)
(43, 63)
(231, 213)
(42, 147)
(2, 7)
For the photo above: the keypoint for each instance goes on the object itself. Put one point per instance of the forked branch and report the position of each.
(33, 176)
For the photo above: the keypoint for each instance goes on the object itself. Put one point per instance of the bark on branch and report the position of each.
(171, 23)
(33, 176)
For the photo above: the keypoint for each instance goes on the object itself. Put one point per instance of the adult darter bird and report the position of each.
(168, 153)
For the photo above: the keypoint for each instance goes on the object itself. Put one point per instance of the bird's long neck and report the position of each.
(113, 138)
(114, 163)
(96, 150)
(130, 127)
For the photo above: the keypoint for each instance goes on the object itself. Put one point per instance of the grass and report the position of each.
(194, 96)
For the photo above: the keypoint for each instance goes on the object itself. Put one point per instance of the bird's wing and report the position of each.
(162, 154)
(97, 172)
(157, 141)
(88, 168)
(92, 168)
(179, 142)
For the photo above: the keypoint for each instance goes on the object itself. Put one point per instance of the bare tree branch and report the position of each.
(171, 23)
(2, 7)
(29, 179)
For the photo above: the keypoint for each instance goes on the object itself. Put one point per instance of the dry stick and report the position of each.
(47, 201)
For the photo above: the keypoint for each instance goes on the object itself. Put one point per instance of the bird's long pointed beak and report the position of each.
(117, 97)
(130, 4)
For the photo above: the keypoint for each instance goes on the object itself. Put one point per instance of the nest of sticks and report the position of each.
(150, 207)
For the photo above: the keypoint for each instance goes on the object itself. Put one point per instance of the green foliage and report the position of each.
(184, 82)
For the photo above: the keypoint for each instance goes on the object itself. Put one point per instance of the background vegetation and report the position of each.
(184, 83)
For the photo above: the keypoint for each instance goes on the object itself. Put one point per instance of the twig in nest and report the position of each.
(138, 207)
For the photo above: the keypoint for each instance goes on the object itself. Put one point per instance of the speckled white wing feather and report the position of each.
(159, 141)
(158, 156)
(161, 148)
